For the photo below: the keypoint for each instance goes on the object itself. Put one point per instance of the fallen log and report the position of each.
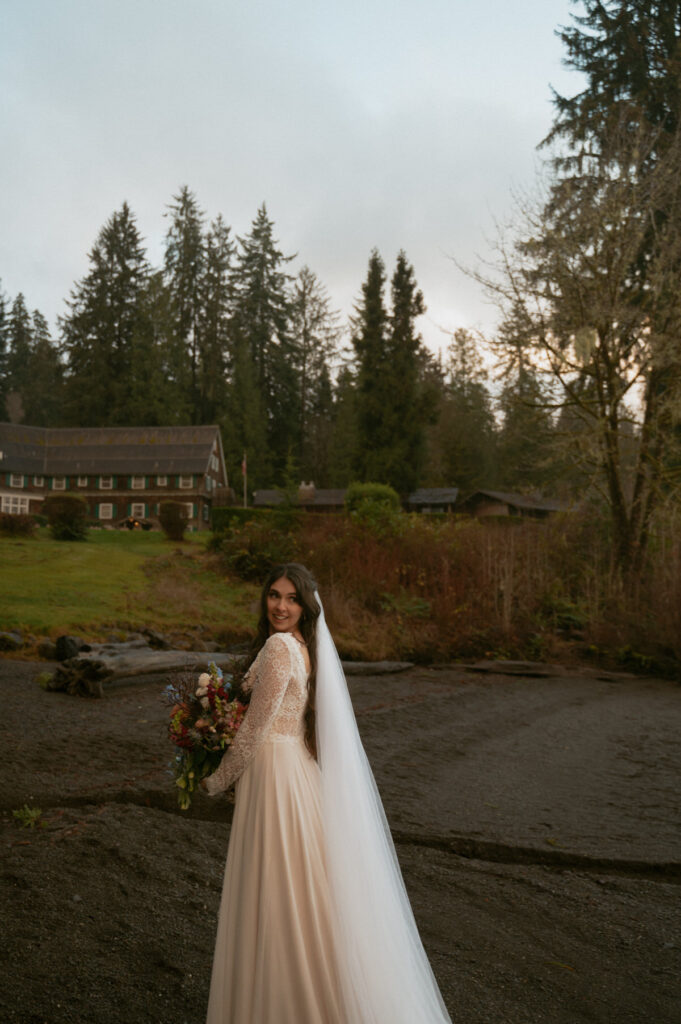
(89, 672)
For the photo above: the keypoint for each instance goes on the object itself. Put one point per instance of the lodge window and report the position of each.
(137, 483)
(14, 505)
(58, 483)
(82, 481)
(38, 481)
(105, 483)
(137, 510)
(186, 481)
(161, 481)
(16, 480)
(106, 510)
(189, 509)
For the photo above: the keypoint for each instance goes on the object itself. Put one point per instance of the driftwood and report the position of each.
(97, 665)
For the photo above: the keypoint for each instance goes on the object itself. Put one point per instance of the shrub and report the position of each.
(359, 495)
(17, 525)
(67, 516)
(172, 519)
(375, 507)
(226, 517)
(251, 552)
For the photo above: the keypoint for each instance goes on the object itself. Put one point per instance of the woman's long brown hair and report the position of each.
(303, 580)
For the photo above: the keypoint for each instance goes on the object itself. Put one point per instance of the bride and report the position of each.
(315, 925)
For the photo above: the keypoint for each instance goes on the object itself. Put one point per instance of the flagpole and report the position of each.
(244, 473)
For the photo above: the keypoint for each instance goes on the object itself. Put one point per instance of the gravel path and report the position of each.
(537, 822)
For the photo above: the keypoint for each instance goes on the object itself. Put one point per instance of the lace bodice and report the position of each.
(278, 679)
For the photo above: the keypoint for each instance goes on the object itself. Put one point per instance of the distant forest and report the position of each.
(224, 333)
(582, 395)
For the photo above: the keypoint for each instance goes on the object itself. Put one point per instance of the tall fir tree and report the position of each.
(104, 336)
(462, 441)
(392, 407)
(185, 260)
(370, 342)
(4, 382)
(410, 406)
(261, 335)
(315, 333)
(19, 352)
(215, 314)
(43, 401)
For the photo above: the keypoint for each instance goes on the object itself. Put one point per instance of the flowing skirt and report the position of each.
(275, 959)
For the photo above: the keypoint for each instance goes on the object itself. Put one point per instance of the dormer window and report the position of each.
(186, 481)
(105, 483)
(137, 483)
(58, 483)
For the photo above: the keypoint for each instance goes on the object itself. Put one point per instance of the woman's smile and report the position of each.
(283, 607)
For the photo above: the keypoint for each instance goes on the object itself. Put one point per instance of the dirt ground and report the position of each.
(537, 821)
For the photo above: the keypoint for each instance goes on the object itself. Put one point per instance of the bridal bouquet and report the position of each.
(204, 719)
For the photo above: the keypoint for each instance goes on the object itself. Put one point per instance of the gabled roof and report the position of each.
(109, 450)
(433, 496)
(518, 500)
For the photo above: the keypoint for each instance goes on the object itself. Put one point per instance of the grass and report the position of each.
(119, 580)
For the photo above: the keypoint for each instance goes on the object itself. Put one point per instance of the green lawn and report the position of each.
(117, 578)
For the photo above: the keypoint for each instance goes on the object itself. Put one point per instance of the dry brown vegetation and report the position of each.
(433, 588)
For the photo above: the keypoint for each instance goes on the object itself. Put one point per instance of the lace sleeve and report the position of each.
(270, 680)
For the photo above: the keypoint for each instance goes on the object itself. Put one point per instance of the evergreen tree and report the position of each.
(20, 346)
(410, 411)
(370, 342)
(104, 334)
(216, 309)
(4, 382)
(392, 408)
(630, 53)
(462, 442)
(261, 333)
(43, 401)
(315, 336)
(184, 269)
(344, 436)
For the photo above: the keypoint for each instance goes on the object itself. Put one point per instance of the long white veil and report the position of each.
(385, 972)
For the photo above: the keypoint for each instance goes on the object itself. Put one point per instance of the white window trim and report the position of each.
(82, 481)
(137, 483)
(105, 510)
(161, 481)
(13, 477)
(14, 504)
(106, 483)
(135, 510)
(58, 483)
(38, 481)
(186, 481)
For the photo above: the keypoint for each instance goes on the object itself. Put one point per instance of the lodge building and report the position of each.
(121, 472)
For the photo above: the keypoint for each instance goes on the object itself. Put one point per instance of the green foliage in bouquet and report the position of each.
(205, 715)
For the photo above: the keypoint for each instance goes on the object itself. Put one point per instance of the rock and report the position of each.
(11, 641)
(47, 650)
(68, 647)
(156, 640)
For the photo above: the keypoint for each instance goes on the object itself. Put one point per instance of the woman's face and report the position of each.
(283, 607)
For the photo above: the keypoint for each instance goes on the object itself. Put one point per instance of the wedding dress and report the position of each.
(315, 925)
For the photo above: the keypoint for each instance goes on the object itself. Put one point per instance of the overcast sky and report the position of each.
(359, 123)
